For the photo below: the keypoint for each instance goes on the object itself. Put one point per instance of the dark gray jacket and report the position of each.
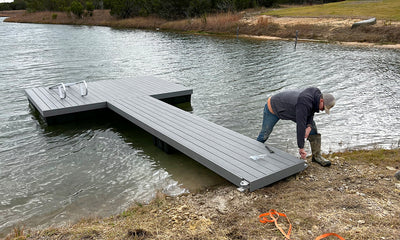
(298, 106)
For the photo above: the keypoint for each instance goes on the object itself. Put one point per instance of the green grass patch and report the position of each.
(381, 9)
(378, 157)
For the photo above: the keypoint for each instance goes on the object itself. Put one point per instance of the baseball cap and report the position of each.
(329, 101)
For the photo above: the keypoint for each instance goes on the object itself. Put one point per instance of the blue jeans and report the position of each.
(269, 121)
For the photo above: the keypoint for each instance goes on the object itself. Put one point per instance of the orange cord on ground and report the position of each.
(274, 215)
(329, 234)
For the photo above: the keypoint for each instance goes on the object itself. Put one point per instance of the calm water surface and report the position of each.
(57, 174)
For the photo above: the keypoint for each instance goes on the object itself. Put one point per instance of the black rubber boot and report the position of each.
(315, 142)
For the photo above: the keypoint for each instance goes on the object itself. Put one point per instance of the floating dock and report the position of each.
(144, 101)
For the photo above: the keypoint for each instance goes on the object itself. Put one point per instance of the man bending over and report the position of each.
(298, 106)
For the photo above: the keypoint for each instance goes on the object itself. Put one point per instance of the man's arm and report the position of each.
(301, 123)
(308, 130)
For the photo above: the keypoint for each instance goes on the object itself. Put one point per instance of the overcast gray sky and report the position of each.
(2, 1)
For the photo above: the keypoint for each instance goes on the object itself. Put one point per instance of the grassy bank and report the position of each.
(357, 198)
(381, 9)
(328, 23)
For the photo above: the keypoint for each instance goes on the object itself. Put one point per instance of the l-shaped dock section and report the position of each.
(144, 101)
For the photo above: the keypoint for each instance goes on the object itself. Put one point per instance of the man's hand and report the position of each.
(303, 153)
(308, 130)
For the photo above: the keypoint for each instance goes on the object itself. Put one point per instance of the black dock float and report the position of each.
(144, 101)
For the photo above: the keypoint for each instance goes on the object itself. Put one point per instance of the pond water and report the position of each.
(98, 167)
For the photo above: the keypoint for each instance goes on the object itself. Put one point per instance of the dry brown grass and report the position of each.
(139, 22)
(357, 198)
(323, 29)
(99, 17)
(330, 30)
(217, 23)
(372, 34)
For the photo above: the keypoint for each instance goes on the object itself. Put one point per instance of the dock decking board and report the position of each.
(165, 127)
(36, 101)
(224, 151)
(184, 131)
(230, 140)
(187, 124)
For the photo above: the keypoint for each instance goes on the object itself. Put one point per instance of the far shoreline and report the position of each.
(242, 25)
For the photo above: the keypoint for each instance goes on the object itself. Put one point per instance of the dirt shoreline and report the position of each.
(248, 25)
(357, 198)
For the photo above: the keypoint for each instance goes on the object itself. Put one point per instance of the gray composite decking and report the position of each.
(222, 150)
(48, 102)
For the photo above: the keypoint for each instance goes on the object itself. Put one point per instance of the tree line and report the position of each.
(168, 9)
